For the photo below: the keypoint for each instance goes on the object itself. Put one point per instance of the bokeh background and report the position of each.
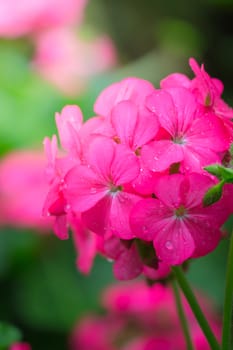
(41, 291)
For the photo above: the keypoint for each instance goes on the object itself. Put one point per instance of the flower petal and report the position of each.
(122, 204)
(128, 265)
(174, 243)
(128, 89)
(159, 155)
(146, 217)
(84, 188)
(97, 218)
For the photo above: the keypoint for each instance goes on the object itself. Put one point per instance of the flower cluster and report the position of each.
(131, 180)
(140, 318)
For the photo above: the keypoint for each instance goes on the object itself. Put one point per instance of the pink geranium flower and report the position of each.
(130, 128)
(128, 262)
(207, 91)
(192, 140)
(114, 177)
(99, 189)
(86, 242)
(139, 317)
(26, 17)
(20, 346)
(176, 221)
(68, 61)
(133, 89)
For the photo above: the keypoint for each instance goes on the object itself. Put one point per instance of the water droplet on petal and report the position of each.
(93, 190)
(121, 199)
(67, 207)
(145, 229)
(169, 245)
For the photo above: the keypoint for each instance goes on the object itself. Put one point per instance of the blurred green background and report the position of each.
(41, 292)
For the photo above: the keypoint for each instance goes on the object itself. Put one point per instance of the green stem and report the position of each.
(203, 323)
(228, 302)
(182, 317)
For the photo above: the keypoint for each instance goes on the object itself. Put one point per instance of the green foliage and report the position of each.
(225, 175)
(8, 335)
(213, 194)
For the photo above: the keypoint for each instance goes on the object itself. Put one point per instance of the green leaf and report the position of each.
(213, 194)
(215, 170)
(221, 172)
(8, 335)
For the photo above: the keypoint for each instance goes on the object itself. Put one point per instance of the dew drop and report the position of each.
(145, 229)
(93, 190)
(67, 207)
(169, 245)
(121, 199)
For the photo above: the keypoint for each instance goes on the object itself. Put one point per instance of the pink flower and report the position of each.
(23, 190)
(113, 176)
(176, 221)
(139, 317)
(68, 62)
(133, 89)
(130, 128)
(129, 263)
(207, 91)
(20, 346)
(192, 140)
(99, 189)
(68, 123)
(136, 297)
(55, 203)
(26, 17)
(96, 333)
(87, 244)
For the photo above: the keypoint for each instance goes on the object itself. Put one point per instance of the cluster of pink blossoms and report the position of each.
(131, 180)
(139, 317)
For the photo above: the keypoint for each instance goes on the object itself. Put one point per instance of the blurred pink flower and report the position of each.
(20, 346)
(139, 317)
(23, 190)
(68, 62)
(25, 17)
